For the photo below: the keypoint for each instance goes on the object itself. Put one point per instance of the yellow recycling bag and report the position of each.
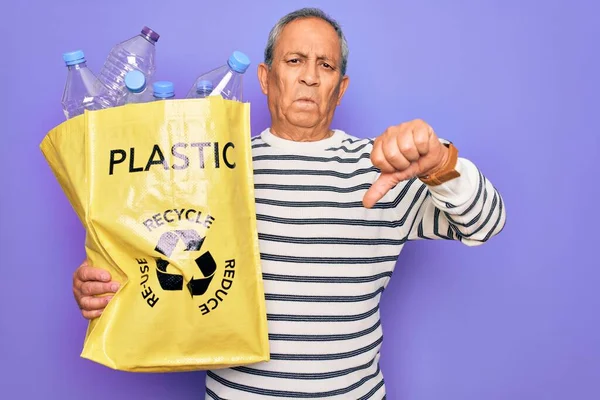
(165, 192)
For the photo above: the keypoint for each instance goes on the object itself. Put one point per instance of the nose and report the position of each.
(310, 74)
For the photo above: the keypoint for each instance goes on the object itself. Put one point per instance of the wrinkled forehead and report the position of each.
(311, 36)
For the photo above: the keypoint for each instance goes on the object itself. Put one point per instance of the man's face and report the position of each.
(304, 84)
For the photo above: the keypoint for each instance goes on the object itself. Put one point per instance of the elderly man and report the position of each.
(334, 212)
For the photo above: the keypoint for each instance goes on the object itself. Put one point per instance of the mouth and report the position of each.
(305, 100)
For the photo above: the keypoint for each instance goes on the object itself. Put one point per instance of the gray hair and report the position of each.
(306, 13)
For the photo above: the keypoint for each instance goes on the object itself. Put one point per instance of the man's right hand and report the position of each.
(88, 284)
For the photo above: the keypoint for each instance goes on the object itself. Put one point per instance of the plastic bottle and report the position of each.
(137, 88)
(227, 79)
(81, 90)
(136, 53)
(163, 90)
(203, 88)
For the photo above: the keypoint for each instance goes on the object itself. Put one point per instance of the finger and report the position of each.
(379, 188)
(91, 314)
(421, 139)
(92, 274)
(90, 303)
(98, 288)
(410, 172)
(78, 271)
(407, 146)
(393, 155)
(378, 158)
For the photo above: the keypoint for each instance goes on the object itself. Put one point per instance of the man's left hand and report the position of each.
(402, 152)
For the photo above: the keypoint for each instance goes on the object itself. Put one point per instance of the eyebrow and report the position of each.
(304, 55)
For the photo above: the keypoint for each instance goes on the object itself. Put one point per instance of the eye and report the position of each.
(328, 66)
(294, 61)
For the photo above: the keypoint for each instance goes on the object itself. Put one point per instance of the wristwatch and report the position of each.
(447, 171)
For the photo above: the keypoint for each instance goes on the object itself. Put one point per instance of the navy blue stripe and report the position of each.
(482, 205)
(500, 212)
(450, 233)
(457, 233)
(372, 391)
(482, 184)
(212, 395)
(324, 338)
(420, 231)
(329, 221)
(313, 188)
(294, 157)
(258, 146)
(487, 219)
(453, 231)
(475, 218)
(282, 393)
(323, 299)
(347, 150)
(327, 357)
(346, 222)
(314, 172)
(356, 140)
(415, 199)
(325, 279)
(436, 224)
(328, 260)
(322, 318)
(415, 219)
(352, 204)
(324, 204)
(330, 240)
(303, 375)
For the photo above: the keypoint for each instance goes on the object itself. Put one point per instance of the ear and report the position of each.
(343, 86)
(263, 77)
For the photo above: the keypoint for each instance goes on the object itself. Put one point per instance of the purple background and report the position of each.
(513, 83)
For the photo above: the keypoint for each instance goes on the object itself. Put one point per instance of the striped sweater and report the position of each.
(326, 261)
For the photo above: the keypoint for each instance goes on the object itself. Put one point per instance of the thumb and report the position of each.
(380, 187)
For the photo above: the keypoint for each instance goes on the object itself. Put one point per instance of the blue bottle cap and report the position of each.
(238, 62)
(204, 86)
(74, 57)
(135, 81)
(163, 89)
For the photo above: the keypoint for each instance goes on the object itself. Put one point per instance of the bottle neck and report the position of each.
(233, 71)
(148, 38)
(138, 91)
(77, 66)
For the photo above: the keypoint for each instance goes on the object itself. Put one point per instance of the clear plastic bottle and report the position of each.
(136, 53)
(227, 79)
(203, 88)
(163, 90)
(137, 88)
(81, 90)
